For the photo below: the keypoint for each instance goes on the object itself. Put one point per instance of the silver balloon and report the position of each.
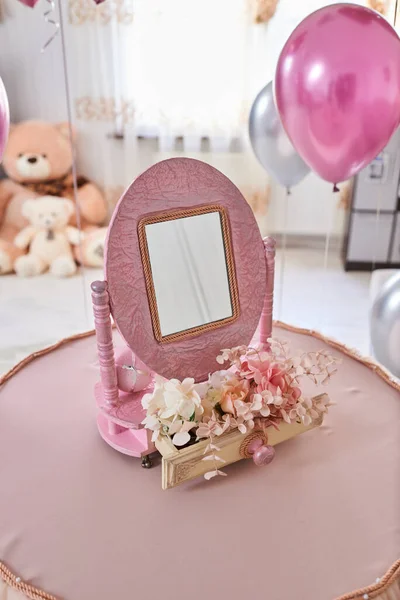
(270, 143)
(385, 325)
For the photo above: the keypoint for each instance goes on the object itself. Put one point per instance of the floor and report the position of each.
(38, 312)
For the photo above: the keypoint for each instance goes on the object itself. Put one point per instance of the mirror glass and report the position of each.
(189, 272)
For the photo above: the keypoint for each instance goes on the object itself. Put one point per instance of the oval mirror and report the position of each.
(185, 268)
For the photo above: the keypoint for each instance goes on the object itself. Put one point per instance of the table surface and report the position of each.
(83, 522)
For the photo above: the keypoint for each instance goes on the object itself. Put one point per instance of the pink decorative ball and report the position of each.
(263, 456)
(132, 374)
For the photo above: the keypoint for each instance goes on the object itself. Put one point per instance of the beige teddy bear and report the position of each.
(48, 236)
(91, 249)
(38, 162)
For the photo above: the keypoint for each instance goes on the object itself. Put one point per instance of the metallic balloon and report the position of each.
(337, 88)
(385, 325)
(270, 143)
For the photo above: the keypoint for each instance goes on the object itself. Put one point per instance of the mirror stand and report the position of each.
(122, 429)
(265, 326)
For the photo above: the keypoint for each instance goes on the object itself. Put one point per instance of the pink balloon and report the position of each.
(337, 88)
(4, 118)
(30, 3)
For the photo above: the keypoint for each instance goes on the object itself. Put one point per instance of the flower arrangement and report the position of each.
(258, 389)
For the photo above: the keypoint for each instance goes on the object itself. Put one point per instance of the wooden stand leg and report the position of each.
(266, 313)
(105, 346)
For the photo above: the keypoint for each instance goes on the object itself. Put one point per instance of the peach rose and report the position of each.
(234, 389)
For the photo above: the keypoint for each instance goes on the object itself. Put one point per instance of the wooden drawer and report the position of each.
(185, 464)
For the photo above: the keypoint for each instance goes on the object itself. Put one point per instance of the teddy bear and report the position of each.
(91, 249)
(49, 238)
(38, 161)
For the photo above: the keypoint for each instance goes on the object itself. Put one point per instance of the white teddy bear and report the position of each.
(49, 238)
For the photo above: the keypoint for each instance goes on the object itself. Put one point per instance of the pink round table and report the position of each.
(80, 521)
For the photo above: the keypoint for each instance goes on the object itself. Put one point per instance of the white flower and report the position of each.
(181, 438)
(224, 356)
(322, 403)
(310, 409)
(174, 408)
(266, 399)
(154, 401)
(217, 379)
(210, 474)
(180, 431)
(245, 414)
(178, 399)
(154, 424)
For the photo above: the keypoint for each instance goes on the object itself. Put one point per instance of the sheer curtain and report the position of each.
(160, 78)
(193, 70)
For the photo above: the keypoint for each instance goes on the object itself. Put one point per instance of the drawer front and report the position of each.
(395, 256)
(182, 465)
(367, 242)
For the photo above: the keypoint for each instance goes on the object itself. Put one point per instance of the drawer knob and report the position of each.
(263, 455)
(256, 446)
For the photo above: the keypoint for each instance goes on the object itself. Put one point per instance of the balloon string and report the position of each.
(85, 285)
(326, 260)
(376, 237)
(395, 13)
(48, 17)
(283, 253)
(377, 223)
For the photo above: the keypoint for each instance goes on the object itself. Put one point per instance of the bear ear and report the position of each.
(69, 207)
(28, 208)
(66, 129)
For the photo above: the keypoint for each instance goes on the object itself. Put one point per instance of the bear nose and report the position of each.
(32, 160)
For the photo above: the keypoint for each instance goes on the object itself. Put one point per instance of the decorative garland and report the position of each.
(16, 583)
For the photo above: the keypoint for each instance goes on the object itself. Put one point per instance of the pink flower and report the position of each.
(233, 390)
(276, 381)
(255, 367)
(245, 413)
(208, 427)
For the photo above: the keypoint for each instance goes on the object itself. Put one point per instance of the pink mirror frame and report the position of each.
(182, 183)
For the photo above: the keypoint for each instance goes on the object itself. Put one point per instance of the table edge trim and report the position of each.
(34, 593)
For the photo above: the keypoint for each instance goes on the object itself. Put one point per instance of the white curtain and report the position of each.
(171, 67)
(180, 74)
(193, 70)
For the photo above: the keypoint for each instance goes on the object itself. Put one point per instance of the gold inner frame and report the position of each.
(173, 215)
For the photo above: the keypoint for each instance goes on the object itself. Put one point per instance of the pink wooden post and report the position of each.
(105, 347)
(266, 313)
